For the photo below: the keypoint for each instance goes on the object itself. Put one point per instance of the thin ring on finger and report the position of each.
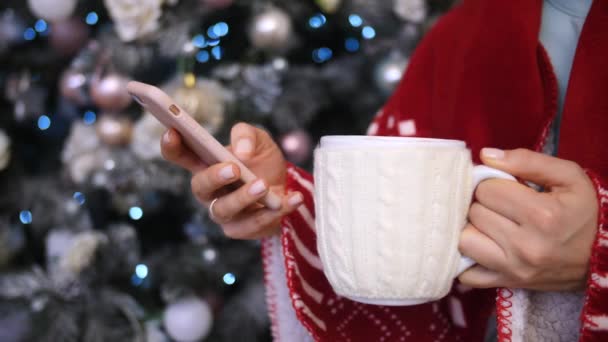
(212, 214)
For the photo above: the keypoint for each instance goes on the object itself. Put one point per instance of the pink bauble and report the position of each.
(73, 86)
(69, 36)
(216, 4)
(109, 92)
(297, 146)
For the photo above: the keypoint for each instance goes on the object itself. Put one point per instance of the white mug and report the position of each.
(389, 213)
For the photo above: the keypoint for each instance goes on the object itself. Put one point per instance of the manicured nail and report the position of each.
(227, 172)
(166, 137)
(295, 200)
(243, 148)
(257, 188)
(492, 153)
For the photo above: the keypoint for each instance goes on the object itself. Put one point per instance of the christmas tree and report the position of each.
(100, 239)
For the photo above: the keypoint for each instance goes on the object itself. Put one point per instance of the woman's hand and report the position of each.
(236, 208)
(522, 238)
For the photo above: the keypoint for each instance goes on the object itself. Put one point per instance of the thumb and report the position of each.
(532, 166)
(246, 139)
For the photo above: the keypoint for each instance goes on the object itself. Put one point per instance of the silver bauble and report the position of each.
(271, 29)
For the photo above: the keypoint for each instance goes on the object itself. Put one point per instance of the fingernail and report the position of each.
(166, 137)
(227, 172)
(492, 153)
(257, 188)
(295, 200)
(243, 147)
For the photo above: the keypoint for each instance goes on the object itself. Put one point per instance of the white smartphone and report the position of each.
(201, 142)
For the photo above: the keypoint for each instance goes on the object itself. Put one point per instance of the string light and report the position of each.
(322, 54)
(217, 52)
(89, 117)
(29, 34)
(136, 213)
(220, 29)
(211, 33)
(355, 20)
(25, 216)
(317, 20)
(141, 271)
(40, 25)
(351, 44)
(199, 41)
(229, 279)
(44, 122)
(79, 197)
(92, 18)
(368, 32)
(202, 56)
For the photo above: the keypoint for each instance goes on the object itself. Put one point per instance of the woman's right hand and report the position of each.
(236, 208)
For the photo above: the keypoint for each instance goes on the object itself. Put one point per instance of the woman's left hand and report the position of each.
(522, 238)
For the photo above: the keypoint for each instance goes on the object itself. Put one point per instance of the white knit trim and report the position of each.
(285, 325)
(597, 323)
(545, 316)
(603, 239)
(599, 280)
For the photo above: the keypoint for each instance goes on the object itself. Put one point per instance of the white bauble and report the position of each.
(52, 10)
(134, 19)
(188, 319)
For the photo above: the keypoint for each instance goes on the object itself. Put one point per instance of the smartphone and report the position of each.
(201, 142)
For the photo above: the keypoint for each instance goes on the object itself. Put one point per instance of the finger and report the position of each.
(533, 166)
(246, 140)
(174, 150)
(495, 226)
(481, 248)
(509, 199)
(207, 182)
(262, 222)
(232, 204)
(481, 277)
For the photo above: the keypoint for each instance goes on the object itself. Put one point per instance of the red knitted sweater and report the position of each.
(482, 76)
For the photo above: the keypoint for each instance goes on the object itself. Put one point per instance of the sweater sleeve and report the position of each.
(594, 325)
(461, 316)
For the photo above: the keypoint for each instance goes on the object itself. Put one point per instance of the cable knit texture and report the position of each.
(387, 230)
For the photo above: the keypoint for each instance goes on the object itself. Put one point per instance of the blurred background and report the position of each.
(100, 239)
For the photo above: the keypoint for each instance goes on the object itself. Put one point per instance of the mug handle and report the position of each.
(481, 173)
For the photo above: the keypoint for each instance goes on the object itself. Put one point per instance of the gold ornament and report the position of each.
(205, 100)
(114, 130)
(329, 6)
